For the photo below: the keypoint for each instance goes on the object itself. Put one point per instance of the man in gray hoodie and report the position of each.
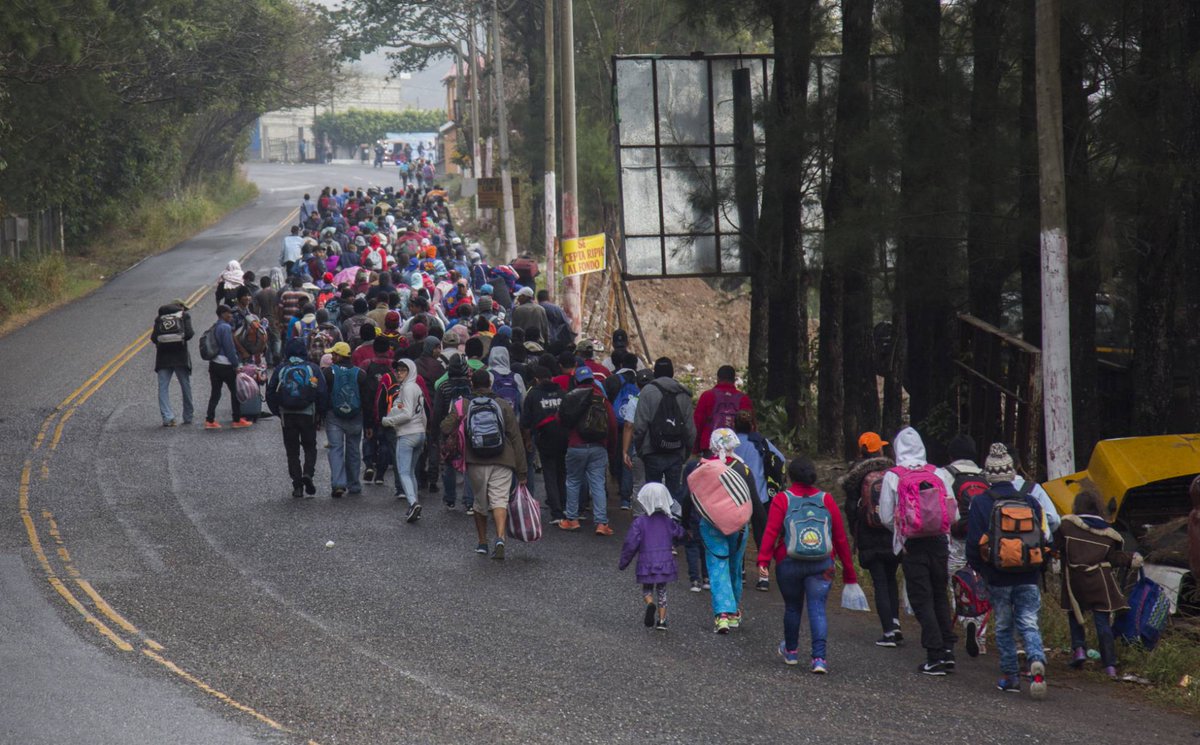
(407, 419)
(663, 437)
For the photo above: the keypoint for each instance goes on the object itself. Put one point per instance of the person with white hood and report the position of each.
(650, 538)
(924, 550)
(408, 418)
(227, 284)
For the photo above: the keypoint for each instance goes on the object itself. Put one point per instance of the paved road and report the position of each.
(240, 626)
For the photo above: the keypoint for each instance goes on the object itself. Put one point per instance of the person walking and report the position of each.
(528, 314)
(804, 534)
(456, 386)
(651, 538)
(350, 391)
(861, 486)
(408, 419)
(1012, 576)
(492, 455)
(912, 488)
(663, 428)
(170, 336)
(1090, 549)
(720, 485)
(297, 394)
(222, 371)
(539, 417)
(591, 427)
(971, 612)
(718, 407)
(767, 465)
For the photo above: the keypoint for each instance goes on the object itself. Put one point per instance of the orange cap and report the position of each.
(871, 442)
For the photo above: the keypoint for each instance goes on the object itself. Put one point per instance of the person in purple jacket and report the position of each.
(651, 537)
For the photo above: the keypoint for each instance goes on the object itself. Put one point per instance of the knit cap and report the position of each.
(999, 465)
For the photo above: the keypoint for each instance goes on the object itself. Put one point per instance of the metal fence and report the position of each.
(32, 235)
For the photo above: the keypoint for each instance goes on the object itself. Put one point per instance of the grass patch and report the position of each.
(32, 287)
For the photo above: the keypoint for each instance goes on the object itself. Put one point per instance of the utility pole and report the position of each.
(1056, 322)
(572, 302)
(549, 188)
(476, 168)
(510, 223)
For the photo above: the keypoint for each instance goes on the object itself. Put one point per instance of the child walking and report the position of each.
(650, 538)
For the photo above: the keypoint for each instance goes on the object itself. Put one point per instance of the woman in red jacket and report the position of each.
(804, 531)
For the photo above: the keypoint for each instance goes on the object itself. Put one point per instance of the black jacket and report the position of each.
(173, 354)
(541, 405)
(871, 543)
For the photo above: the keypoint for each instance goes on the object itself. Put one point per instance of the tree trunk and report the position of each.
(1028, 210)
(1190, 206)
(924, 258)
(848, 247)
(1084, 205)
(985, 252)
(831, 401)
(779, 228)
(1155, 235)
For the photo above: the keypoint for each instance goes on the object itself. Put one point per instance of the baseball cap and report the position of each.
(620, 339)
(871, 442)
(583, 374)
(585, 346)
(525, 292)
(341, 349)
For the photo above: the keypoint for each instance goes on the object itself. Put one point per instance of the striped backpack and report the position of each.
(722, 494)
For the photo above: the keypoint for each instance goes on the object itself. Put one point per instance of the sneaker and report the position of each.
(212, 425)
(651, 614)
(413, 514)
(481, 549)
(1078, 657)
(625, 505)
(819, 667)
(661, 625)
(706, 585)
(1009, 684)
(337, 493)
(887, 640)
(568, 525)
(470, 512)
(932, 668)
(762, 585)
(242, 424)
(1111, 672)
(735, 620)
(896, 633)
(948, 661)
(368, 476)
(378, 481)
(297, 491)
(169, 423)
(695, 586)
(721, 624)
(972, 639)
(603, 529)
(309, 487)
(790, 657)
(498, 552)
(1037, 679)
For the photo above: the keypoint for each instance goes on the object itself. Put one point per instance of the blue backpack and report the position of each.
(505, 386)
(625, 397)
(346, 401)
(1149, 609)
(297, 386)
(806, 527)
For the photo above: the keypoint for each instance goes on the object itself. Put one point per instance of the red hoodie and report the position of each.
(705, 408)
(772, 545)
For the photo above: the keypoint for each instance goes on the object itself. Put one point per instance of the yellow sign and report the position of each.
(583, 255)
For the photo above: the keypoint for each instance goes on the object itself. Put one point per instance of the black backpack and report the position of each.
(168, 328)
(668, 430)
(593, 426)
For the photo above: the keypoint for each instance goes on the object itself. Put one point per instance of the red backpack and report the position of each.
(868, 499)
(725, 409)
(967, 486)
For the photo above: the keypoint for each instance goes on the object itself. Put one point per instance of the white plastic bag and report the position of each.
(908, 609)
(853, 598)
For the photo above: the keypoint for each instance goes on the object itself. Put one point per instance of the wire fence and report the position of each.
(32, 236)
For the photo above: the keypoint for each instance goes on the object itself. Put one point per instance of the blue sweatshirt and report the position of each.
(224, 334)
(979, 522)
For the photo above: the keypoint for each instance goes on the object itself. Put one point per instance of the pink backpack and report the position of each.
(721, 495)
(922, 504)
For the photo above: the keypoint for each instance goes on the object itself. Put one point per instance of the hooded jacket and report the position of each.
(910, 452)
(871, 543)
(1090, 548)
(498, 363)
(407, 415)
(296, 353)
(648, 403)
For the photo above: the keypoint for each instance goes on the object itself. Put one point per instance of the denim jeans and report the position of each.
(804, 583)
(345, 447)
(408, 455)
(1017, 606)
(450, 478)
(587, 464)
(164, 393)
(666, 469)
(723, 554)
(378, 454)
(1104, 636)
(625, 479)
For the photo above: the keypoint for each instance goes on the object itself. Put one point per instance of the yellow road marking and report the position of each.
(108, 610)
(224, 698)
(108, 633)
